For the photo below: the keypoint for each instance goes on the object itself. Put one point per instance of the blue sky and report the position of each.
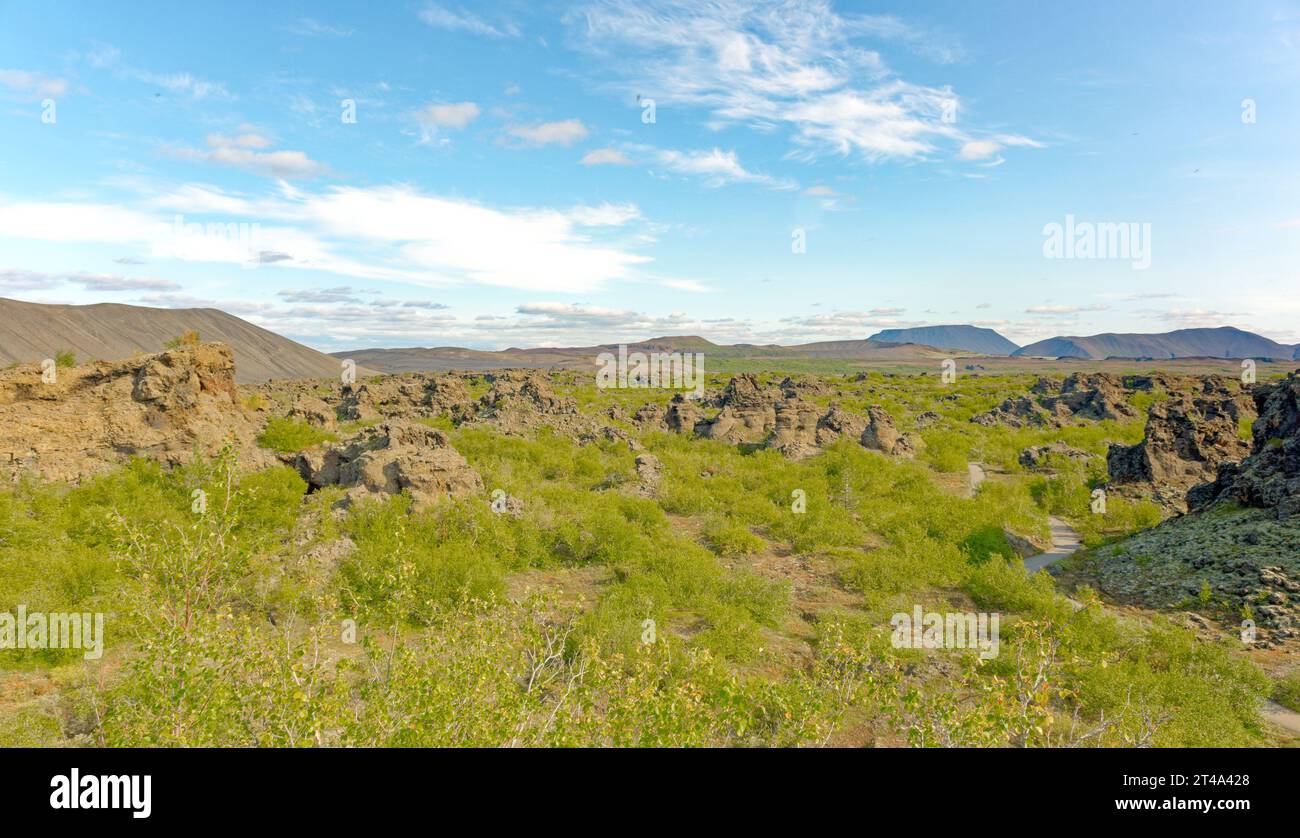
(503, 185)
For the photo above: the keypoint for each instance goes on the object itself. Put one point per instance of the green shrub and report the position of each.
(731, 538)
(289, 436)
(1286, 691)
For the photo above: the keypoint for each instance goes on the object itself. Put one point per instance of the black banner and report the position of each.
(141, 789)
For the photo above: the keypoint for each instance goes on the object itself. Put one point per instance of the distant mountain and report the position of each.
(1223, 342)
(109, 332)
(446, 358)
(969, 338)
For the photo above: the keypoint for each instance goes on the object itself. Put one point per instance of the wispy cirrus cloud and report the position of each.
(23, 280)
(800, 65)
(1065, 310)
(848, 323)
(108, 57)
(25, 84)
(461, 20)
(714, 167)
(311, 28)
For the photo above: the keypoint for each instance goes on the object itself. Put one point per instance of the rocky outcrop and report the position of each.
(1270, 477)
(838, 423)
(748, 413)
(927, 419)
(90, 418)
(1081, 397)
(1022, 412)
(314, 411)
(683, 414)
(1186, 440)
(805, 386)
(391, 458)
(881, 435)
(1235, 551)
(1244, 559)
(649, 473)
(523, 400)
(408, 395)
(1038, 456)
(795, 433)
(1091, 396)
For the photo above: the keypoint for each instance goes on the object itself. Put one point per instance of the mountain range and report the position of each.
(1220, 342)
(30, 332)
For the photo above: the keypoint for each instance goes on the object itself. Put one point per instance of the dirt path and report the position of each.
(1065, 543)
(1280, 716)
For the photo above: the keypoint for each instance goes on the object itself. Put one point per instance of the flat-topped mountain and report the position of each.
(1222, 342)
(969, 338)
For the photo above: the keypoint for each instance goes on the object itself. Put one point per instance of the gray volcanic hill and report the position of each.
(969, 338)
(1223, 342)
(30, 332)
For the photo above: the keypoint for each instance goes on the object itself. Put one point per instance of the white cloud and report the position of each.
(1064, 310)
(1199, 317)
(716, 167)
(310, 28)
(22, 280)
(605, 215)
(32, 85)
(605, 157)
(394, 233)
(565, 132)
(456, 115)
(185, 83)
(463, 21)
(108, 57)
(846, 324)
(979, 150)
(243, 152)
(692, 285)
(988, 149)
(799, 65)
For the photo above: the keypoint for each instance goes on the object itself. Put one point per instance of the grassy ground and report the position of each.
(745, 601)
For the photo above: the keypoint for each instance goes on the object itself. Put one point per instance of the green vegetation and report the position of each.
(65, 358)
(288, 436)
(746, 601)
(1286, 691)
